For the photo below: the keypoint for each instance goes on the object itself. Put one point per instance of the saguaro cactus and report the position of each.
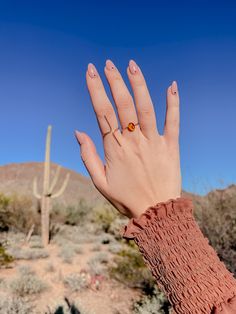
(48, 188)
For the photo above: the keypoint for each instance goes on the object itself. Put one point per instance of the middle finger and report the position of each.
(123, 99)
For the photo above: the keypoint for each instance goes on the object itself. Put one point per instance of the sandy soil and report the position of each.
(110, 297)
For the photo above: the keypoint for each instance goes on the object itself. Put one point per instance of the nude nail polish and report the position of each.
(174, 88)
(92, 71)
(79, 136)
(110, 65)
(133, 67)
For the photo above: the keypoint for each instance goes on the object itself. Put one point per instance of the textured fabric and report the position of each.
(186, 268)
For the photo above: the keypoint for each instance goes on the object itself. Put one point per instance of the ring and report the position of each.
(131, 126)
(111, 131)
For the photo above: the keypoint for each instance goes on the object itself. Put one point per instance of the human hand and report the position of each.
(142, 166)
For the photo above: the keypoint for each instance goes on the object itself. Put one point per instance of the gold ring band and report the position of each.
(130, 127)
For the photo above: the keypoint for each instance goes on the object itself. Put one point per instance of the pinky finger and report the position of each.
(171, 128)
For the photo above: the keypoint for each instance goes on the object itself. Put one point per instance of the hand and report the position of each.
(142, 166)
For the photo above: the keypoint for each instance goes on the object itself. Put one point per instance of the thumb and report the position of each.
(91, 160)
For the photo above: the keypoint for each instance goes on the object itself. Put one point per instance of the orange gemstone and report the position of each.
(131, 126)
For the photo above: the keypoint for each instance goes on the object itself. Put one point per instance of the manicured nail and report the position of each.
(110, 65)
(133, 67)
(174, 88)
(79, 136)
(92, 71)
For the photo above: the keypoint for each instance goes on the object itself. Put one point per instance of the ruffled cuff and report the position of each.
(156, 213)
(187, 269)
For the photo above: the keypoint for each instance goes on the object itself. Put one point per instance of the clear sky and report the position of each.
(45, 47)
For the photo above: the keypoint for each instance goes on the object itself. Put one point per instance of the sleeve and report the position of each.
(186, 268)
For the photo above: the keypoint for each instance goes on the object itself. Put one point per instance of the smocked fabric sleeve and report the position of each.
(186, 268)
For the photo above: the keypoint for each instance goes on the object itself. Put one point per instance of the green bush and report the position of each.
(131, 270)
(5, 258)
(17, 213)
(103, 216)
(216, 216)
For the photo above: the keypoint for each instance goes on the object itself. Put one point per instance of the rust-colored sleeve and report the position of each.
(186, 268)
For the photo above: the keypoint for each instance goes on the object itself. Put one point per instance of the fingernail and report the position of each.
(133, 67)
(79, 136)
(174, 88)
(92, 71)
(110, 65)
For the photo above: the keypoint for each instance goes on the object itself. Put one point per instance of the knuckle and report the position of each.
(146, 111)
(124, 102)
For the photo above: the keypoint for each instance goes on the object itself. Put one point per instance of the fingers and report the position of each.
(123, 100)
(145, 109)
(102, 105)
(91, 160)
(171, 128)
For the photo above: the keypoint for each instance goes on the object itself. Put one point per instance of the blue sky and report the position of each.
(45, 47)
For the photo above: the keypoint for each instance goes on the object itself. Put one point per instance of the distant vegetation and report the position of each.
(71, 227)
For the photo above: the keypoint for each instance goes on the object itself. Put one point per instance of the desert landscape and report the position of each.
(87, 267)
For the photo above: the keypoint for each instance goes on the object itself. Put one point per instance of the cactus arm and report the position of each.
(35, 189)
(55, 179)
(63, 187)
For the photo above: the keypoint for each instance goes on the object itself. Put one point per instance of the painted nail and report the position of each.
(133, 67)
(92, 71)
(110, 65)
(79, 136)
(174, 88)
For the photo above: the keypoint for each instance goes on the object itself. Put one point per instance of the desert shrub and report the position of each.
(27, 284)
(25, 270)
(95, 267)
(71, 215)
(101, 257)
(103, 215)
(5, 217)
(105, 238)
(216, 216)
(95, 263)
(130, 269)
(73, 234)
(115, 247)
(76, 281)
(156, 303)
(5, 258)
(17, 213)
(35, 242)
(67, 253)
(116, 225)
(27, 254)
(12, 238)
(15, 305)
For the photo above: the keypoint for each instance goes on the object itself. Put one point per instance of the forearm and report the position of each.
(185, 266)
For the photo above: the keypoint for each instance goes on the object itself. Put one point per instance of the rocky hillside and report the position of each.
(18, 178)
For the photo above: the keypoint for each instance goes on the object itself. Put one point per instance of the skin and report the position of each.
(144, 169)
